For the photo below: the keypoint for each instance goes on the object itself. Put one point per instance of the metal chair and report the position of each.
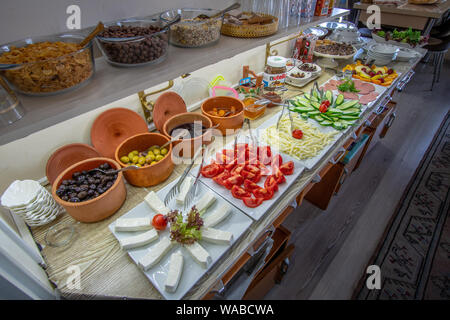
(437, 49)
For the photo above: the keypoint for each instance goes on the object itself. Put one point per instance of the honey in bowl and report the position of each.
(253, 111)
(223, 112)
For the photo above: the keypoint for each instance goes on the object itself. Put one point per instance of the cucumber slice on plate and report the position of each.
(351, 110)
(313, 113)
(329, 96)
(326, 123)
(347, 104)
(319, 118)
(339, 99)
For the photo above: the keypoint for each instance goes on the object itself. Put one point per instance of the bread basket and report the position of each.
(251, 30)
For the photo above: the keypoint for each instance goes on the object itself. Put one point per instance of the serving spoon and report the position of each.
(99, 28)
(232, 7)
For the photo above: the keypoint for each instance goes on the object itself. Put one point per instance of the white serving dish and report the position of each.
(382, 48)
(406, 54)
(258, 212)
(237, 223)
(313, 73)
(379, 39)
(299, 81)
(311, 162)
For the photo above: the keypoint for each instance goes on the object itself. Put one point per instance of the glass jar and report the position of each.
(275, 72)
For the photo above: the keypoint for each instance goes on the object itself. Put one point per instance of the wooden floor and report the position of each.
(334, 246)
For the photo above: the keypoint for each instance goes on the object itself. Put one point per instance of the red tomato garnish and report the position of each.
(239, 192)
(323, 108)
(159, 222)
(252, 202)
(231, 164)
(271, 183)
(264, 193)
(287, 168)
(297, 134)
(238, 169)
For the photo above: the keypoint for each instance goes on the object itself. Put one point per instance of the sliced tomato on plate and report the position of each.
(252, 202)
(265, 154)
(233, 180)
(220, 178)
(238, 169)
(252, 168)
(211, 170)
(239, 192)
(231, 164)
(271, 183)
(277, 161)
(279, 176)
(264, 193)
(248, 175)
(287, 168)
(250, 185)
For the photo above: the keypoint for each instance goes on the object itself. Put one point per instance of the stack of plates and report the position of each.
(29, 200)
(381, 53)
(406, 54)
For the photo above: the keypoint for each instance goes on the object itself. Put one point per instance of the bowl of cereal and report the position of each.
(134, 42)
(47, 65)
(195, 28)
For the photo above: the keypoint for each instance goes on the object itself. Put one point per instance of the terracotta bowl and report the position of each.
(231, 123)
(148, 175)
(112, 127)
(66, 156)
(99, 208)
(188, 144)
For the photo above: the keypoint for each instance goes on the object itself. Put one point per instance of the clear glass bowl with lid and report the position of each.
(47, 65)
(195, 28)
(134, 42)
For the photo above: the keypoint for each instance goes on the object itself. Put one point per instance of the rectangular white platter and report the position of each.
(310, 162)
(237, 223)
(258, 212)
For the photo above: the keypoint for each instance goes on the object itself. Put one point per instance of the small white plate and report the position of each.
(20, 194)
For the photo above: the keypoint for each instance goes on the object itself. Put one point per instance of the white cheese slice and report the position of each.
(133, 224)
(217, 216)
(139, 240)
(175, 271)
(206, 201)
(156, 203)
(185, 186)
(217, 236)
(199, 254)
(156, 253)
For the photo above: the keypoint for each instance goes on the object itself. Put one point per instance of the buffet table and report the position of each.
(421, 17)
(107, 270)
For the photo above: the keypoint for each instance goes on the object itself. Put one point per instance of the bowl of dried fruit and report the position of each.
(90, 195)
(225, 111)
(47, 65)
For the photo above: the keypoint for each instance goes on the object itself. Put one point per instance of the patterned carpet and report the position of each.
(414, 256)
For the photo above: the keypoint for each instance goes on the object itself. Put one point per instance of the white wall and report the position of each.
(24, 18)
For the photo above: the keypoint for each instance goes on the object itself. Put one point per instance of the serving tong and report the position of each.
(253, 139)
(286, 107)
(193, 190)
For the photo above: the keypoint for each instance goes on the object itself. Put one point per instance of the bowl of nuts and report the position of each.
(89, 190)
(298, 77)
(134, 42)
(47, 65)
(149, 152)
(195, 29)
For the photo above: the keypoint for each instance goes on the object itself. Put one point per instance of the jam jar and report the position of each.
(275, 72)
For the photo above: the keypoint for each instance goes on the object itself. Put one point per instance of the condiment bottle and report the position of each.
(275, 72)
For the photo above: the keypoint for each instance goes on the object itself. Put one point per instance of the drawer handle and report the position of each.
(344, 176)
(391, 120)
(269, 232)
(382, 105)
(338, 156)
(405, 81)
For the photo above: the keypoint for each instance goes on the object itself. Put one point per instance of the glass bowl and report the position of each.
(60, 234)
(134, 42)
(191, 31)
(47, 65)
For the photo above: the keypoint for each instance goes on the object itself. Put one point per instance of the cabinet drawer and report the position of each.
(271, 275)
